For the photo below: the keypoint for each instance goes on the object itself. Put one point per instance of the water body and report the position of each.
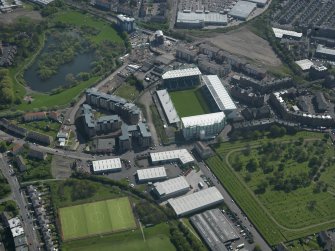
(81, 63)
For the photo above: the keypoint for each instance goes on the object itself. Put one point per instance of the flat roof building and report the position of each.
(195, 202)
(260, 3)
(280, 33)
(325, 52)
(107, 165)
(125, 23)
(151, 174)
(181, 155)
(168, 107)
(242, 10)
(171, 188)
(218, 93)
(200, 19)
(304, 64)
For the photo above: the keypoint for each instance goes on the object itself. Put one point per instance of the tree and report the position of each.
(257, 248)
(252, 165)
(311, 205)
(3, 147)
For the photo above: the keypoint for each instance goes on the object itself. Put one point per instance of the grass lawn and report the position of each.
(96, 218)
(279, 215)
(156, 238)
(189, 102)
(40, 126)
(127, 91)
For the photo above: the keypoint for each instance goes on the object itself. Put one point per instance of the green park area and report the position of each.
(189, 102)
(284, 184)
(152, 239)
(96, 218)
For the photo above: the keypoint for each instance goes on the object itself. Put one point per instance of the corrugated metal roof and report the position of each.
(169, 109)
(151, 173)
(304, 64)
(207, 18)
(203, 120)
(181, 154)
(182, 73)
(106, 165)
(171, 186)
(279, 33)
(219, 92)
(242, 9)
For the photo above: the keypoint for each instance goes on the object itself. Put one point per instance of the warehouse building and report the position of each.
(106, 165)
(324, 52)
(217, 94)
(280, 33)
(125, 23)
(214, 228)
(180, 155)
(171, 188)
(200, 19)
(151, 174)
(242, 10)
(168, 107)
(181, 79)
(196, 202)
(260, 3)
(304, 64)
(205, 126)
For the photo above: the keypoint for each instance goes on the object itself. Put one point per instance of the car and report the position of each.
(132, 185)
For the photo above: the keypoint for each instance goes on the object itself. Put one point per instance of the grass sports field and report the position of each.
(96, 218)
(189, 102)
(279, 215)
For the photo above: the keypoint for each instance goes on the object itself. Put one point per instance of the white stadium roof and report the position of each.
(169, 109)
(242, 9)
(181, 154)
(219, 92)
(279, 33)
(304, 64)
(171, 186)
(203, 120)
(106, 165)
(182, 73)
(151, 173)
(196, 201)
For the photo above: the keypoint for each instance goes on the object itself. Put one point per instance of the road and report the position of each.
(234, 208)
(17, 195)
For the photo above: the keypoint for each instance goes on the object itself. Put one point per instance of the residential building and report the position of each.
(126, 24)
(21, 164)
(35, 154)
(39, 138)
(34, 116)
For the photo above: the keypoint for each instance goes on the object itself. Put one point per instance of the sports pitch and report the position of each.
(189, 102)
(96, 218)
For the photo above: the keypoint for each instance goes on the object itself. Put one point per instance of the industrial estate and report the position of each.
(167, 125)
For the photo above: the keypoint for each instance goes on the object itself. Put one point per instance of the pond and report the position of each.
(81, 63)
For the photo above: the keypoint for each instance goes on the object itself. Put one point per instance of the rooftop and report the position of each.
(199, 17)
(181, 73)
(169, 109)
(242, 9)
(304, 64)
(279, 33)
(324, 50)
(203, 120)
(181, 154)
(151, 173)
(106, 164)
(124, 18)
(171, 186)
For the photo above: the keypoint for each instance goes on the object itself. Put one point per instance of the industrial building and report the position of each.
(200, 19)
(325, 52)
(280, 33)
(106, 165)
(151, 174)
(215, 229)
(168, 107)
(181, 79)
(171, 188)
(203, 126)
(242, 10)
(217, 94)
(42, 2)
(125, 23)
(304, 64)
(180, 155)
(196, 202)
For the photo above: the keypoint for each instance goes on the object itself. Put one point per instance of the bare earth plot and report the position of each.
(243, 42)
(9, 18)
(60, 167)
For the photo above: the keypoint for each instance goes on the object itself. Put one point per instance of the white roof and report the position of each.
(17, 231)
(324, 50)
(182, 73)
(171, 186)
(219, 92)
(169, 109)
(242, 9)
(151, 173)
(181, 154)
(203, 120)
(14, 222)
(196, 201)
(125, 18)
(304, 64)
(106, 164)
(207, 18)
(262, 2)
(279, 33)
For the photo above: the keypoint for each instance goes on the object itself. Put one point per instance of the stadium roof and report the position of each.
(242, 9)
(279, 33)
(171, 186)
(259, 2)
(181, 154)
(203, 120)
(324, 50)
(106, 165)
(219, 92)
(182, 73)
(151, 173)
(207, 18)
(304, 64)
(169, 109)
(196, 201)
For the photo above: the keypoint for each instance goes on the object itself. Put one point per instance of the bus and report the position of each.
(240, 246)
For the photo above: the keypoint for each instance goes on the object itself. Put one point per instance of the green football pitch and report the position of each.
(96, 218)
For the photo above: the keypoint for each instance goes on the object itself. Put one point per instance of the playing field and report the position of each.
(189, 102)
(96, 218)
